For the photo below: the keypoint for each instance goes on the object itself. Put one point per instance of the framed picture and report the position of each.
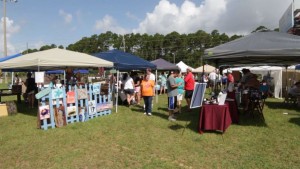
(71, 111)
(96, 88)
(57, 93)
(92, 107)
(60, 116)
(44, 112)
(82, 94)
(70, 97)
(39, 77)
(82, 111)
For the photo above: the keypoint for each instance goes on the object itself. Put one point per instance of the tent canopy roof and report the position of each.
(207, 68)
(263, 48)
(54, 59)
(125, 61)
(162, 64)
(182, 66)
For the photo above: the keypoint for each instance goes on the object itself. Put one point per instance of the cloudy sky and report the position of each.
(35, 23)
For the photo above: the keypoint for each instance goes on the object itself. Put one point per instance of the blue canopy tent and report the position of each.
(297, 67)
(10, 57)
(124, 62)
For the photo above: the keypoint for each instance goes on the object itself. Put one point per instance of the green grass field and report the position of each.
(129, 139)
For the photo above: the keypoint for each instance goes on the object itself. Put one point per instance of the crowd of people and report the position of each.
(173, 84)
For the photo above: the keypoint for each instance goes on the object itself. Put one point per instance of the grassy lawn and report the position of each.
(129, 139)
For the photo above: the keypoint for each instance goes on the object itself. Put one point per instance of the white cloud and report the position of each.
(108, 23)
(66, 16)
(11, 29)
(132, 16)
(229, 16)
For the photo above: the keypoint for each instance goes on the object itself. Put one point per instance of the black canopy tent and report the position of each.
(259, 48)
(162, 64)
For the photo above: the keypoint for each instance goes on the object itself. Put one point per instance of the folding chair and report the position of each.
(256, 103)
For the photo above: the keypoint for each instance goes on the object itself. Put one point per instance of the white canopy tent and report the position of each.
(54, 59)
(207, 68)
(182, 66)
(274, 72)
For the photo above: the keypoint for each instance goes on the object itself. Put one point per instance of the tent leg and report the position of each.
(156, 97)
(117, 90)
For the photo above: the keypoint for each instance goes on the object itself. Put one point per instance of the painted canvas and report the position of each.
(92, 107)
(71, 97)
(60, 116)
(44, 112)
(82, 111)
(82, 94)
(96, 88)
(71, 111)
(57, 93)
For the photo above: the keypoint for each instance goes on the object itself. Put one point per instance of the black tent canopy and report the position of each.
(162, 64)
(259, 48)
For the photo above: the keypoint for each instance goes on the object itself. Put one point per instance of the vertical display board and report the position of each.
(198, 95)
(59, 108)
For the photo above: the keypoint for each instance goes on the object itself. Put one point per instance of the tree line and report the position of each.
(173, 47)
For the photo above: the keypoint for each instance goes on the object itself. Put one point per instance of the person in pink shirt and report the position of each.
(189, 83)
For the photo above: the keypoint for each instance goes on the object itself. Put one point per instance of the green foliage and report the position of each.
(129, 139)
(173, 47)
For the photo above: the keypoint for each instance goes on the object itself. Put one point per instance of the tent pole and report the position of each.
(12, 78)
(117, 90)
(286, 82)
(156, 97)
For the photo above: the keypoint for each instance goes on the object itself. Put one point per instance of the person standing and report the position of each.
(148, 91)
(163, 83)
(189, 83)
(172, 94)
(212, 77)
(137, 84)
(179, 80)
(128, 86)
(31, 89)
(152, 76)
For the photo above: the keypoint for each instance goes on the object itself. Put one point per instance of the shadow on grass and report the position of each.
(250, 120)
(23, 108)
(281, 105)
(295, 120)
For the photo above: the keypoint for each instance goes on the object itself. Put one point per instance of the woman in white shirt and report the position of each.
(128, 86)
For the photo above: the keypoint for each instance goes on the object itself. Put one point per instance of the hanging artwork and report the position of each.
(70, 97)
(71, 111)
(44, 112)
(96, 88)
(82, 94)
(39, 77)
(60, 116)
(92, 107)
(57, 93)
(82, 114)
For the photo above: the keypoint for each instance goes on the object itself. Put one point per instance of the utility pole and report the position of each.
(4, 33)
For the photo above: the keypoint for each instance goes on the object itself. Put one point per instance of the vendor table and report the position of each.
(214, 117)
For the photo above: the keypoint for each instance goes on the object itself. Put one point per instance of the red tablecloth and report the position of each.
(214, 117)
(234, 112)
